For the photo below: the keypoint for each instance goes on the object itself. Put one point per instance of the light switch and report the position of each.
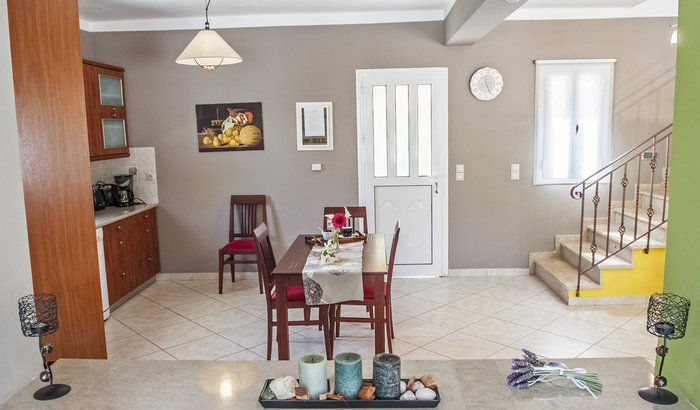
(460, 176)
(460, 167)
(514, 172)
(316, 167)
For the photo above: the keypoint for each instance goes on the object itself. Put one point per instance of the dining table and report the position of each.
(288, 272)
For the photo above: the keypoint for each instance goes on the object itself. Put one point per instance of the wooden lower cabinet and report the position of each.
(131, 253)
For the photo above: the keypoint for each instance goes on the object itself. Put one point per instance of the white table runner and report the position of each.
(325, 284)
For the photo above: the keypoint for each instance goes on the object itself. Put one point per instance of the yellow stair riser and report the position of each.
(645, 278)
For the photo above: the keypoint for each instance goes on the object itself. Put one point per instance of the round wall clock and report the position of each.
(486, 83)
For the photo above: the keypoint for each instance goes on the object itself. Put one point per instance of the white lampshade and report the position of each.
(208, 50)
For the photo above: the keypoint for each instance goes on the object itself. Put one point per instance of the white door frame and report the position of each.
(440, 161)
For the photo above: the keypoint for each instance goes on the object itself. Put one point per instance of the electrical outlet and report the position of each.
(132, 171)
(460, 176)
(460, 167)
(316, 167)
(514, 172)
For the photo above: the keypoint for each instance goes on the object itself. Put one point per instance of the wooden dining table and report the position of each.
(288, 273)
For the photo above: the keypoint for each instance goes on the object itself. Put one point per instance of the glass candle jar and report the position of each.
(312, 374)
(348, 375)
(387, 376)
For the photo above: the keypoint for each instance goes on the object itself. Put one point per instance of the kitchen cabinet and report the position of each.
(131, 253)
(106, 110)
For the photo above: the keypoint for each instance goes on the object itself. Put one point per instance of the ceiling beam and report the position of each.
(470, 20)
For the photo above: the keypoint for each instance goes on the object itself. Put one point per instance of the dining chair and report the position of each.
(369, 298)
(295, 295)
(358, 216)
(240, 235)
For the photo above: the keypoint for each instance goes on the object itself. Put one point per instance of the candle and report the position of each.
(387, 376)
(348, 374)
(312, 374)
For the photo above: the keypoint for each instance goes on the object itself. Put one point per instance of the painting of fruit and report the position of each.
(229, 127)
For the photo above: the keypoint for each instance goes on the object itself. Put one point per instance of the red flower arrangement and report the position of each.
(339, 220)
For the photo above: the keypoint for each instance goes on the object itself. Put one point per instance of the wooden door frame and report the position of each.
(440, 158)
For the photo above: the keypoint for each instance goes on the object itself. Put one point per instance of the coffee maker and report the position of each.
(125, 190)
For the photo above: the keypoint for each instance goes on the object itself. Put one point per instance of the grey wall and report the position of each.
(493, 222)
(19, 358)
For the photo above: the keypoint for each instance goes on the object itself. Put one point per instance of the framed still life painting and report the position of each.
(230, 127)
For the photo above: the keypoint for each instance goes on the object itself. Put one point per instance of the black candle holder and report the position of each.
(667, 316)
(38, 316)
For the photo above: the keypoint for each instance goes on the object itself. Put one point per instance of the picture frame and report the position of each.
(314, 126)
(229, 127)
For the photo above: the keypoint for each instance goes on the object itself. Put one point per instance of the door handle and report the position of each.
(436, 187)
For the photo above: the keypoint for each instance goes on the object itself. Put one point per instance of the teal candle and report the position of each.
(387, 376)
(348, 374)
(312, 374)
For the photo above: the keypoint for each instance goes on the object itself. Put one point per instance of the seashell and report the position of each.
(408, 395)
(417, 385)
(301, 393)
(335, 396)
(425, 393)
(284, 387)
(366, 393)
(410, 383)
(430, 380)
(402, 389)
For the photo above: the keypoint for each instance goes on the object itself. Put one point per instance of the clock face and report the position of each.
(486, 83)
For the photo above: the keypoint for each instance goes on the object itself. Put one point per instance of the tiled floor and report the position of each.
(440, 318)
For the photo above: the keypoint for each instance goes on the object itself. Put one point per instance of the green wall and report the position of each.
(683, 253)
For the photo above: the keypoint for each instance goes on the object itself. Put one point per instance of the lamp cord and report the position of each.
(206, 16)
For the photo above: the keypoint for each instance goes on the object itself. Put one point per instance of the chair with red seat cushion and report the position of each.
(295, 295)
(249, 208)
(369, 298)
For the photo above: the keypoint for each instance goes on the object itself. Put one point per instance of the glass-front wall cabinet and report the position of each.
(106, 111)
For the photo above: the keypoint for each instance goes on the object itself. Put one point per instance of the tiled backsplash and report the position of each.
(145, 180)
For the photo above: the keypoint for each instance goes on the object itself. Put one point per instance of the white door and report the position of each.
(402, 162)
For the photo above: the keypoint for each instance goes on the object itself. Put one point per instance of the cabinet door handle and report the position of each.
(146, 216)
(123, 274)
(150, 259)
(148, 230)
(114, 108)
(114, 115)
(121, 243)
(119, 227)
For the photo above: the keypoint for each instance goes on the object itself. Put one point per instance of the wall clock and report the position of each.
(486, 83)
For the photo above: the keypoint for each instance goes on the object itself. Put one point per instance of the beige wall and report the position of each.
(19, 358)
(493, 222)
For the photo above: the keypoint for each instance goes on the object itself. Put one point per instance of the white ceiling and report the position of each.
(128, 15)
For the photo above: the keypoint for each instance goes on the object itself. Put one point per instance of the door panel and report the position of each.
(412, 205)
(402, 162)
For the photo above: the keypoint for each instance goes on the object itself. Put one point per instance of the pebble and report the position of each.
(408, 395)
(284, 387)
(417, 385)
(425, 394)
(403, 387)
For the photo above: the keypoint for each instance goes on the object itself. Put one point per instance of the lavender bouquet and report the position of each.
(532, 369)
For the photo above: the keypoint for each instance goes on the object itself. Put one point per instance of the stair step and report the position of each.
(640, 243)
(560, 275)
(613, 262)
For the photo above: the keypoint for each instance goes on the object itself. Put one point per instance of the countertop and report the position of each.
(113, 214)
(475, 384)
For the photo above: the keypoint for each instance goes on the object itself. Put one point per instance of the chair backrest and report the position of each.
(266, 258)
(392, 254)
(247, 208)
(358, 216)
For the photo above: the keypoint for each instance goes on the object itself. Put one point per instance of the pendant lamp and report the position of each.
(208, 49)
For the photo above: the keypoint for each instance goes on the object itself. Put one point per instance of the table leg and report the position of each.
(379, 314)
(282, 319)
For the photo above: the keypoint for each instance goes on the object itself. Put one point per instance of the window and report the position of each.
(573, 119)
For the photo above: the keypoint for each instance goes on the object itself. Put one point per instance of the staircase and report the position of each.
(618, 255)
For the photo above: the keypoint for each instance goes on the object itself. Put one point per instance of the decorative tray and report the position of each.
(345, 404)
(317, 239)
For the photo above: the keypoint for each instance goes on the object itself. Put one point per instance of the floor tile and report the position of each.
(441, 294)
(498, 331)
(475, 284)
(548, 301)
(176, 335)
(508, 293)
(530, 282)
(598, 351)
(200, 308)
(412, 305)
(136, 306)
(177, 297)
(243, 355)
(613, 315)
(130, 348)
(418, 332)
(423, 354)
(527, 316)
(636, 343)
(209, 348)
(298, 346)
(507, 353)
(450, 317)
(249, 335)
(153, 321)
(583, 330)
(550, 345)
(114, 330)
(481, 304)
(462, 346)
(159, 355)
(230, 319)
(637, 323)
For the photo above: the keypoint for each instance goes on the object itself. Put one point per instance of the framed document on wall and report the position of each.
(314, 126)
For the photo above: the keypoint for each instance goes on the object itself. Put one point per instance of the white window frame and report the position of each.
(540, 110)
